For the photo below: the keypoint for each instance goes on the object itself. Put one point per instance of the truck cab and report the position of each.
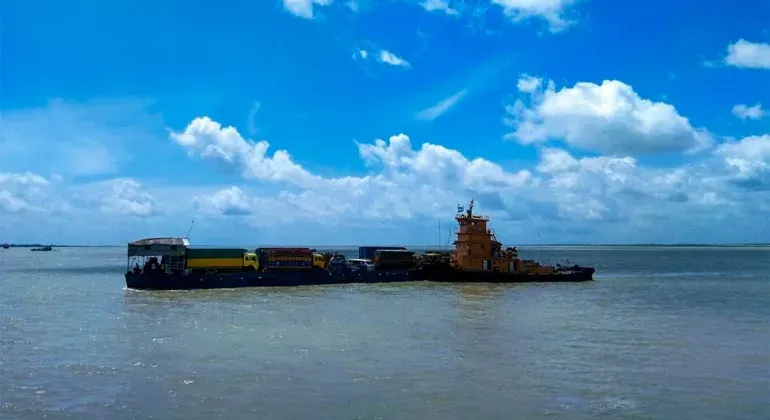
(319, 261)
(250, 261)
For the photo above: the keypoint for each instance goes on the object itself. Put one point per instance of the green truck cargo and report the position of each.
(392, 258)
(221, 259)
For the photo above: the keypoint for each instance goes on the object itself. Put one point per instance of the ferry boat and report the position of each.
(479, 257)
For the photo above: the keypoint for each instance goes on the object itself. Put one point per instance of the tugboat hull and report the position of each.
(453, 275)
(268, 278)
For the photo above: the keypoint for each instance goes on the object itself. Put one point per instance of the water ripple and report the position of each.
(686, 339)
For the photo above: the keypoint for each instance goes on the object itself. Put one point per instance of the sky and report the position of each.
(347, 122)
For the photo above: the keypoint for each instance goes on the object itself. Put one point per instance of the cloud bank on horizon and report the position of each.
(346, 122)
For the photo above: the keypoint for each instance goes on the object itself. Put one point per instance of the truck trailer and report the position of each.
(221, 259)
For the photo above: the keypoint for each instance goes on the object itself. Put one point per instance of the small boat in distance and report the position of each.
(45, 248)
(479, 257)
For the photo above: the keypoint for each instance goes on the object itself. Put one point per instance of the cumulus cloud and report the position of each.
(529, 84)
(29, 192)
(21, 192)
(611, 188)
(609, 118)
(400, 167)
(749, 161)
(440, 6)
(753, 112)
(408, 183)
(552, 11)
(229, 202)
(746, 54)
(561, 195)
(124, 196)
(555, 13)
(304, 8)
(206, 138)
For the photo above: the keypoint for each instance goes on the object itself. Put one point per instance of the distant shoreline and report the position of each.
(746, 245)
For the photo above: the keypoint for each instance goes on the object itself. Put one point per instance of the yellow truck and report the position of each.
(290, 259)
(239, 259)
(221, 259)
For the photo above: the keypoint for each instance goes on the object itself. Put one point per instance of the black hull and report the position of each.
(451, 275)
(269, 278)
(293, 278)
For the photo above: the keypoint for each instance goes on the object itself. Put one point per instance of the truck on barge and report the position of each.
(479, 257)
(170, 264)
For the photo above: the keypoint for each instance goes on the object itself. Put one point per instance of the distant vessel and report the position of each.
(6, 246)
(45, 248)
(479, 257)
(170, 264)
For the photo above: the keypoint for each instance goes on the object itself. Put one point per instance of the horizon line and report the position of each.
(424, 246)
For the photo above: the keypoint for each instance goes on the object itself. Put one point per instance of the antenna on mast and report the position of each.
(190, 228)
(539, 242)
(541, 246)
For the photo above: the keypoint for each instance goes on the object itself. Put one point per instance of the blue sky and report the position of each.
(585, 121)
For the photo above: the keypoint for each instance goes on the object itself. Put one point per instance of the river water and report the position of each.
(664, 333)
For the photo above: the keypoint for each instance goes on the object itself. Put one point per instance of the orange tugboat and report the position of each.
(479, 257)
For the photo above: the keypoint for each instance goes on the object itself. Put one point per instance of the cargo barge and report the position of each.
(171, 264)
(479, 257)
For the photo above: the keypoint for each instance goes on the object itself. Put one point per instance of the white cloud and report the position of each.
(125, 197)
(439, 5)
(206, 138)
(32, 192)
(414, 184)
(10, 203)
(745, 54)
(749, 159)
(552, 11)
(753, 112)
(388, 57)
(23, 192)
(25, 179)
(442, 106)
(562, 196)
(116, 197)
(228, 201)
(382, 56)
(608, 118)
(304, 8)
(529, 84)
